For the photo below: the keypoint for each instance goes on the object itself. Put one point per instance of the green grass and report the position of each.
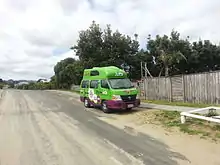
(217, 135)
(165, 102)
(75, 91)
(70, 90)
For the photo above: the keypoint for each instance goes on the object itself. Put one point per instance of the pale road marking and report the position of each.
(129, 156)
(116, 161)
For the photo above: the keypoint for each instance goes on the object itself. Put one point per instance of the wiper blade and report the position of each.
(119, 88)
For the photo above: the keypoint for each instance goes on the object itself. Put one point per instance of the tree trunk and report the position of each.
(166, 71)
(160, 72)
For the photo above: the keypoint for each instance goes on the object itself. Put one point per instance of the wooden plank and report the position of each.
(177, 88)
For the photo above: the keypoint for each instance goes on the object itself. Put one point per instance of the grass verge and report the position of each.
(165, 102)
(75, 91)
(171, 119)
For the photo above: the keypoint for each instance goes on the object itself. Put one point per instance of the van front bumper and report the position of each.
(117, 105)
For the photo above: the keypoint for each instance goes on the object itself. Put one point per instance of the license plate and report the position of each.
(130, 105)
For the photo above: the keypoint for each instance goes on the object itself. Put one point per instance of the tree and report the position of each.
(97, 47)
(53, 82)
(60, 72)
(167, 51)
(67, 72)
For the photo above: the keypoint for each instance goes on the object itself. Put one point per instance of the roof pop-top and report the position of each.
(103, 73)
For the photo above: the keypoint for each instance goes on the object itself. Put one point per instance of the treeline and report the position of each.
(36, 86)
(165, 55)
(2, 84)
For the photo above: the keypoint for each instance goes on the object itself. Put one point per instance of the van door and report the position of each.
(84, 89)
(93, 92)
(104, 90)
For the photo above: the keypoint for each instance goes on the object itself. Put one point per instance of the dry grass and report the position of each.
(171, 120)
(185, 104)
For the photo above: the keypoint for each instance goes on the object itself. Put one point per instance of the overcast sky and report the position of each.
(35, 34)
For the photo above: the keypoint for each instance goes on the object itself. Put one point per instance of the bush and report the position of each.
(37, 86)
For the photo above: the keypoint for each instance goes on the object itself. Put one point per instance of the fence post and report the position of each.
(145, 88)
(171, 90)
(184, 90)
(207, 88)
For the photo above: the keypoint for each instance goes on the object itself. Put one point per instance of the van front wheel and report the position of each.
(129, 109)
(105, 107)
(86, 103)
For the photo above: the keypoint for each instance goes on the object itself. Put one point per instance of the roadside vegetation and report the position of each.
(75, 91)
(171, 121)
(1, 85)
(185, 104)
(37, 86)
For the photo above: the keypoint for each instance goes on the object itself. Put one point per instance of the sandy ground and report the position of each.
(197, 151)
(32, 133)
(50, 128)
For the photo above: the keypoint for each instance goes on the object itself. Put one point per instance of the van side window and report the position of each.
(104, 84)
(85, 84)
(94, 84)
(94, 73)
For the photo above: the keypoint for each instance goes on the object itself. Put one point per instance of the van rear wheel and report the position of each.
(105, 107)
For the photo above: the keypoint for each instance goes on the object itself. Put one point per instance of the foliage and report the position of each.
(97, 47)
(167, 51)
(37, 86)
(67, 72)
(1, 85)
(184, 104)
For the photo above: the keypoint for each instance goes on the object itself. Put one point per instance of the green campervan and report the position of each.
(108, 88)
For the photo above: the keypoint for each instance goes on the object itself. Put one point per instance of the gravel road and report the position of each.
(48, 128)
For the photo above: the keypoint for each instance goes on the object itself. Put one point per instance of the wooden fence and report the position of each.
(195, 88)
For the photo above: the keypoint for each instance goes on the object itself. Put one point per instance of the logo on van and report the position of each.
(119, 74)
(127, 91)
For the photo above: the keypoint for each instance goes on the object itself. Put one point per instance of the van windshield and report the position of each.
(120, 83)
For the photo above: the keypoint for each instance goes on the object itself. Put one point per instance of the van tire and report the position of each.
(86, 103)
(105, 107)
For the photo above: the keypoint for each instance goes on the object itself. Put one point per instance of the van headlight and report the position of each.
(138, 96)
(116, 97)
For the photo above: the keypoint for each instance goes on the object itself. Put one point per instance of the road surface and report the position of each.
(46, 128)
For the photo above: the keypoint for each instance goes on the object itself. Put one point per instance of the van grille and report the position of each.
(128, 98)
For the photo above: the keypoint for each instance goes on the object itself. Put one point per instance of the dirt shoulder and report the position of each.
(197, 140)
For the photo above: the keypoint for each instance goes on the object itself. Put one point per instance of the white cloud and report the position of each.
(32, 32)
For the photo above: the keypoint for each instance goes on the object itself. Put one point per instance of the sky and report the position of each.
(36, 34)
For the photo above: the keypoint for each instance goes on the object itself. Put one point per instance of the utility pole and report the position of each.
(141, 70)
(144, 76)
(145, 72)
(143, 80)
